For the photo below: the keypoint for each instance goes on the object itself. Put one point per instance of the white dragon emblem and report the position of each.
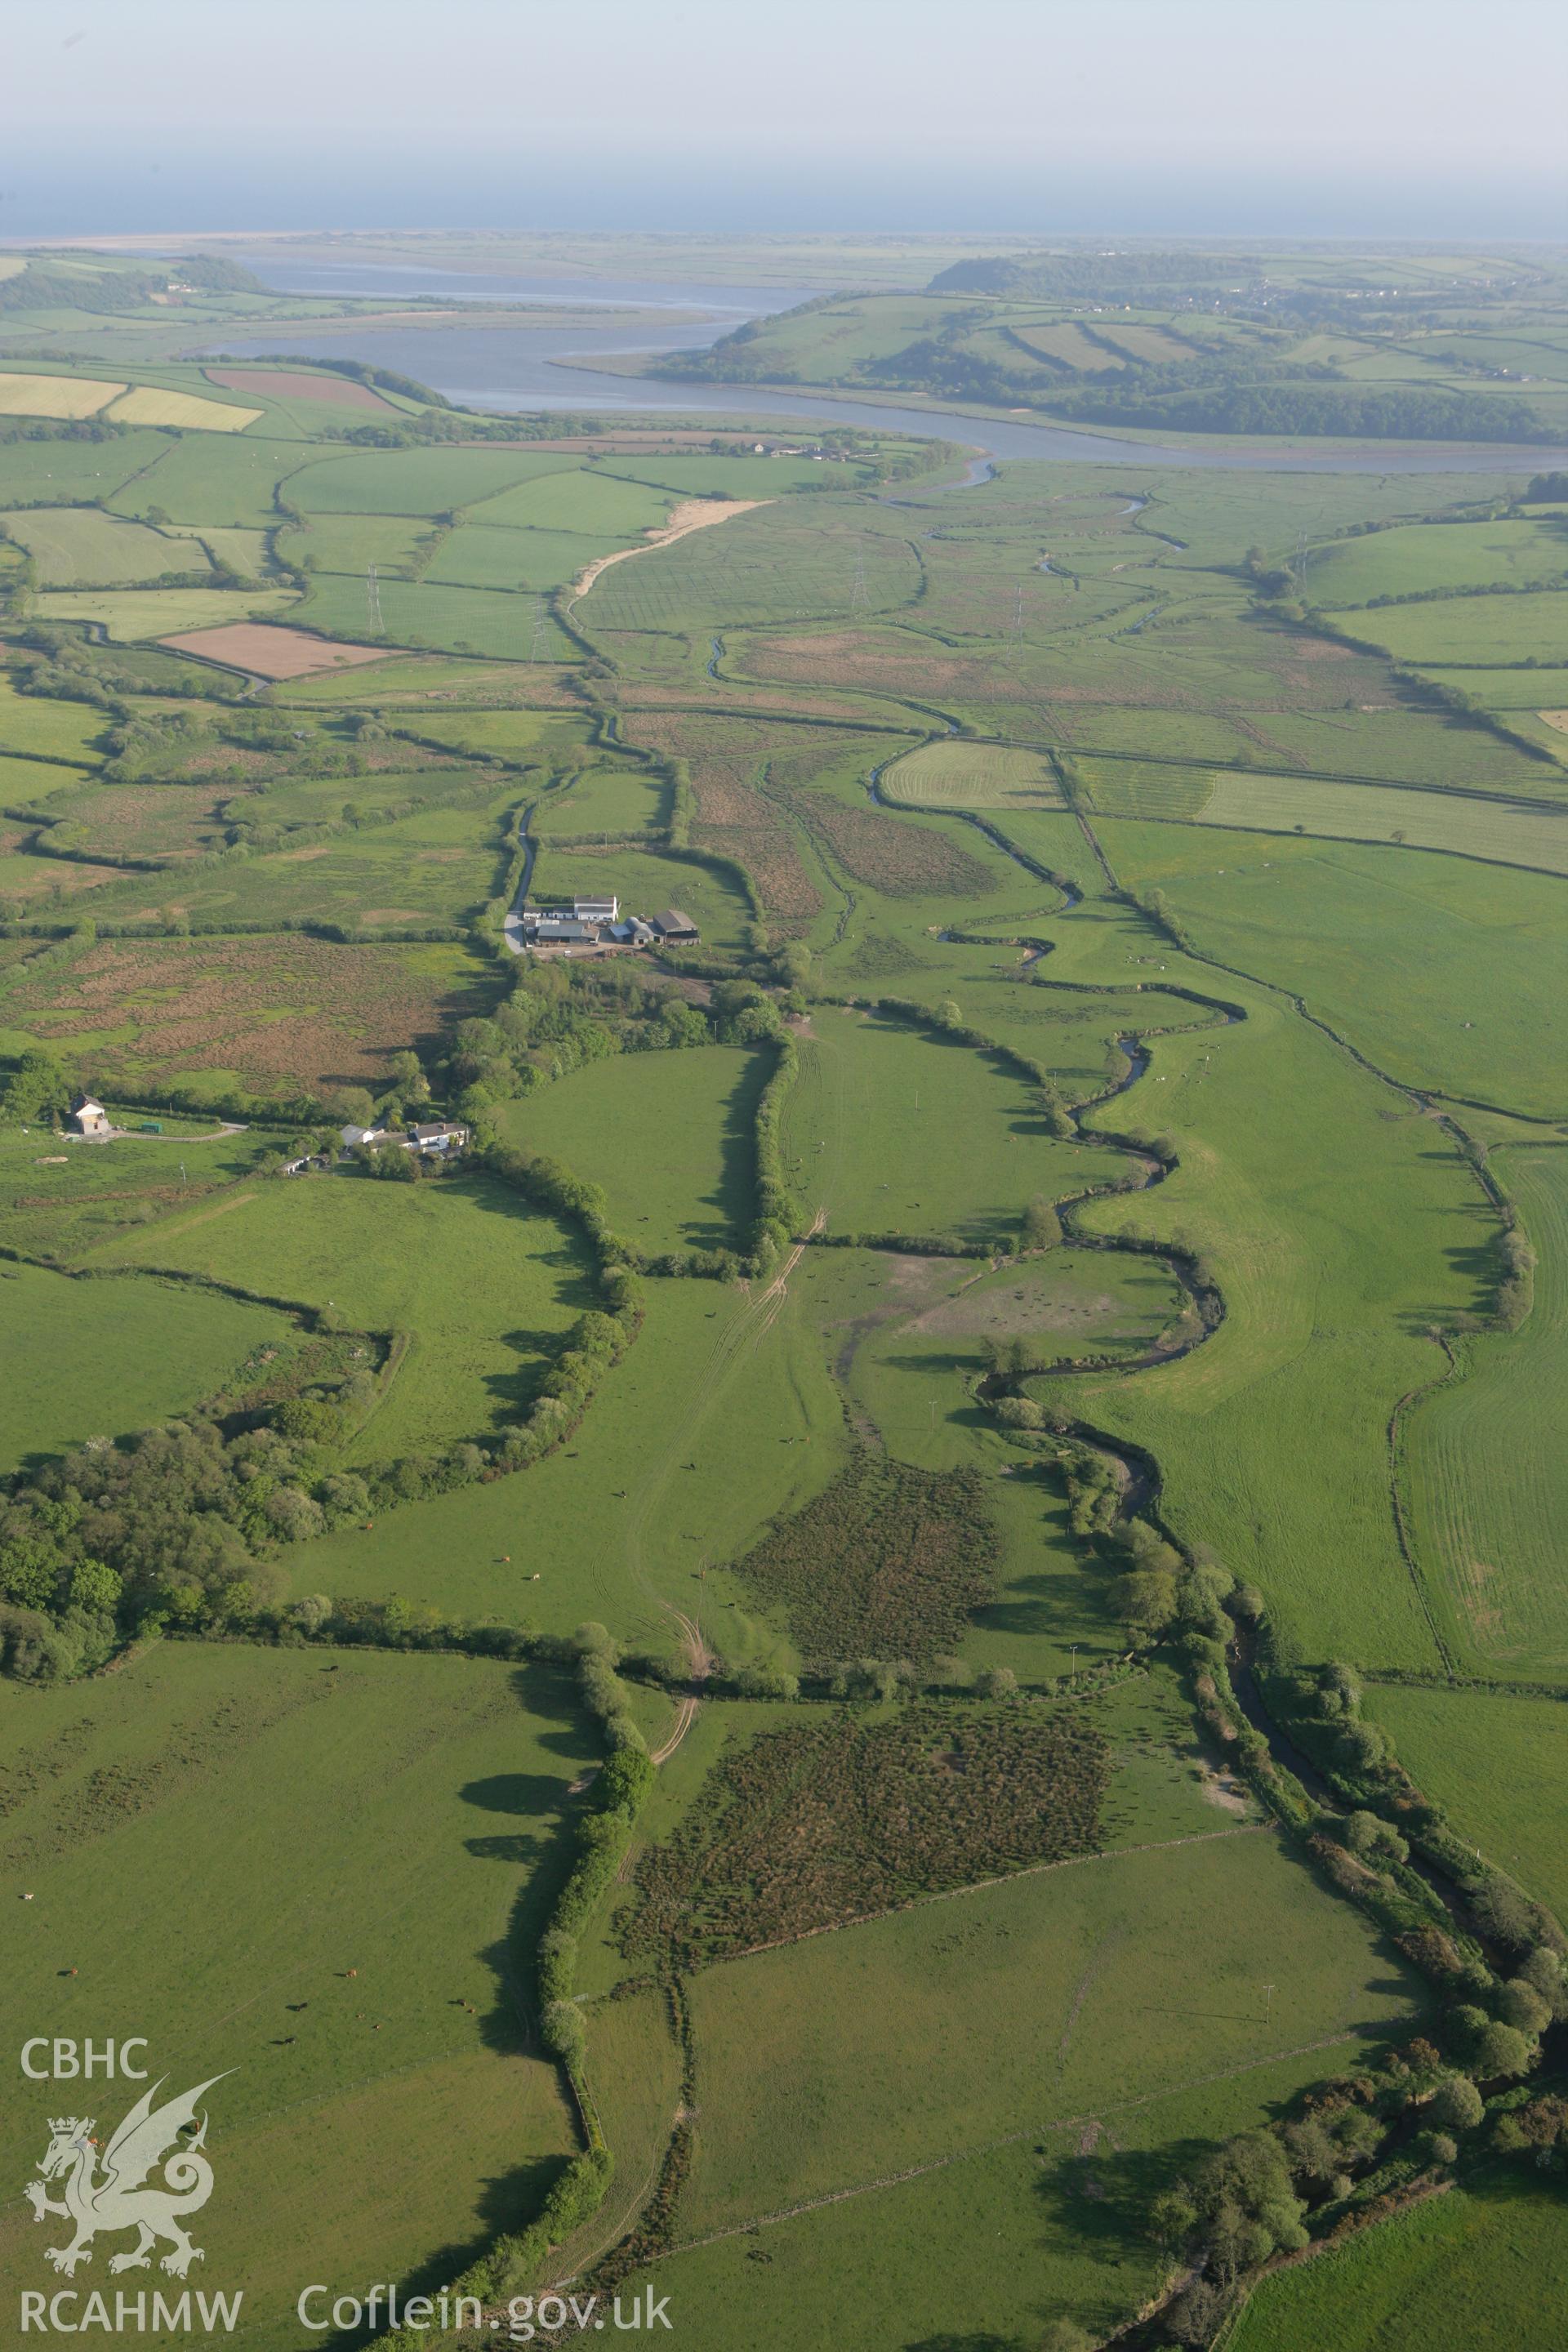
(118, 2201)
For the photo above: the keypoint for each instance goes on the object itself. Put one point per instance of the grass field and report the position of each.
(529, 561)
(225, 480)
(440, 866)
(1483, 629)
(485, 1287)
(771, 565)
(59, 1203)
(940, 2127)
(136, 616)
(1415, 559)
(1485, 1476)
(53, 730)
(959, 1134)
(605, 800)
(379, 2124)
(619, 1526)
(1439, 970)
(1500, 833)
(108, 1358)
(906, 2256)
(1496, 1760)
(1485, 2266)
(80, 547)
(971, 775)
(872, 2049)
(425, 614)
(1339, 1224)
(584, 502)
(417, 481)
(668, 1136)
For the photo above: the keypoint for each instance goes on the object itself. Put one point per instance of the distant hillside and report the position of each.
(1099, 277)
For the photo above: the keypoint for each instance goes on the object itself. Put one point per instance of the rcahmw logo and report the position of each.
(151, 2175)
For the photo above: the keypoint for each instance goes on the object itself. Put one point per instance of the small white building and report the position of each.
(88, 1117)
(596, 911)
(443, 1134)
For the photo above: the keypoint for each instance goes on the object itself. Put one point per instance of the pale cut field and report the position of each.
(273, 652)
(146, 404)
(1501, 831)
(65, 397)
(971, 775)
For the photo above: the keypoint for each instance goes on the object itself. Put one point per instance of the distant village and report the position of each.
(598, 924)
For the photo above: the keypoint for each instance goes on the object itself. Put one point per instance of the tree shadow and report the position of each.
(971, 2340)
(505, 2202)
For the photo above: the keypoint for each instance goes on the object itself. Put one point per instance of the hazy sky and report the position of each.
(1399, 117)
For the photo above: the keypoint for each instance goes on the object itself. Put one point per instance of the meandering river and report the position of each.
(517, 367)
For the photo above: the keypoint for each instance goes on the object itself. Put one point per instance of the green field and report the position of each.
(1484, 1472)
(959, 1132)
(668, 1136)
(56, 1202)
(1484, 629)
(971, 775)
(529, 561)
(619, 1526)
(1332, 1215)
(1495, 1760)
(871, 2050)
(107, 1357)
(137, 615)
(1504, 833)
(582, 502)
(1413, 561)
(605, 800)
(1439, 970)
(395, 2116)
(952, 1928)
(77, 547)
(1483, 2267)
(483, 1285)
(50, 731)
(417, 481)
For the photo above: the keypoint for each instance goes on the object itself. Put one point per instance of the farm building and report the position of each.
(436, 1135)
(675, 926)
(88, 1117)
(599, 923)
(563, 930)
